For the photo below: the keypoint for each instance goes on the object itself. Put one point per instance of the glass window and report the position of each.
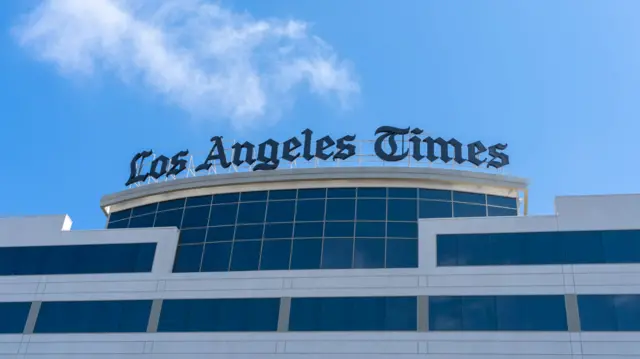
(337, 253)
(226, 198)
(469, 210)
(188, 258)
(120, 215)
(306, 253)
(252, 212)
(308, 230)
(341, 192)
(609, 313)
(245, 255)
(371, 229)
(14, 317)
(341, 209)
(146, 209)
(369, 253)
(372, 192)
(402, 210)
(447, 250)
(468, 197)
(145, 221)
(402, 253)
(216, 257)
(199, 201)
(117, 316)
(249, 232)
(281, 211)
(436, 209)
(435, 194)
(220, 234)
(278, 230)
(171, 218)
(282, 194)
(500, 201)
(581, 247)
(402, 229)
(172, 204)
(219, 315)
(253, 196)
(312, 193)
(353, 314)
(371, 210)
(188, 236)
(275, 254)
(339, 229)
(223, 214)
(445, 313)
(403, 193)
(310, 210)
(195, 217)
(621, 246)
(499, 211)
(119, 224)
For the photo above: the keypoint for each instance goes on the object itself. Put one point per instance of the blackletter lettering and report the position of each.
(237, 152)
(290, 145)
(345, 150)
(444, 150)
(307, 144)
(134, 173)
(216, 153)
(389, 134)
(271, 162)
(417, 144)
(163, 161)
(321, 145)
(499, 159)
(179, 164)
(473, 150)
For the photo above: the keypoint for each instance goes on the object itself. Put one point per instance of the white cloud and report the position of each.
(202, 57)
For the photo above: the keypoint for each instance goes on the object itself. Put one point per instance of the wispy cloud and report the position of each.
(205, 58)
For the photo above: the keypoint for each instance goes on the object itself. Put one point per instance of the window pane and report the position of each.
(445, 313)
(216, 257)
(337, 253)
(306, 253)
(188, 258)
(145, 221)
(275, 254)
(282, 194)
(220, 234)
(173, 204)
(621, 246)
(310, 210)
(371, 229)
(627, 309)
(245, 255)
(146, 209)
(253, 196)
(469, 210)
(14, 317)
(341, 193)
(341, 209)
(249, 232)
(447, 250)
(468, 197)
(581, 247)
(435, 194)
(371, 210)
(192, 235)
(199, 201)
(119, 224)
(372, 192)
(309, 230)
(402, 253)
(479, 313)
(222, 214)
(609, 313)
(278, 230)
(500, 212)
(531, 313)
(195, 217)
(436, 209)
(312, 193)
(252, 212)
(369, 253)
(403, 193)
(168, 218)
(402, 229)
(281, 211)
(120, 215)
(402, 210)
(500, 201)
(339, 229)
(226, 198)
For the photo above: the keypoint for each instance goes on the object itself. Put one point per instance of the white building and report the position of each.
(337, 263)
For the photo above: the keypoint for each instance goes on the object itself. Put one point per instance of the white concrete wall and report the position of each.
(592, 212)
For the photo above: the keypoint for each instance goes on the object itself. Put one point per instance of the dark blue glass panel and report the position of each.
(341, 193)
(372, 192)
(306, 253)
(435, 194)
(402, 210)
(223, 214)
(581, 247)
(173, 204)
(500, 201)
(310, 210)
(369, 253)
(403, 193)
(216, 257)
(281, 211)
(278, 230)
(188, 236)
(479, 313)
(468, 197)
(14, 317)
(447, 250)
(499, 212)
(219, 315)
(445, 313)
(469, 210)
(371, 210)
(253, 196)
(341, 209)
(371, 229)
(531, 313)
(337, 253)
(245, 255)
(145, 221)
(353, 314)
(402, 229)
(275, 254)
(249, 232)
(308, 230)
(171, 218)
(252, 212)
(188, 258)
(120, 215)
(339, 229)
(195, 217)
(199, 201)
(627, 308)
(130, 316)
(402, 253)
(282, 194)
(119, 224)
(621, 246)
(312, 193)
(220, 234)
(609, 313)
(146, 209)
(538, 248)
(435, 209)
(226, 198)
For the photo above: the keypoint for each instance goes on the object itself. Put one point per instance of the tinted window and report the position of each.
(435, 209)
(252, 212)
(341, 209)
(281, 211)
(171, 218)
(216, 257)
(283, 194)
(223, 214)
(245, 255)
(402, 210)
(499, 211)
(310, 210)
(502, 201)
(341, 192)
(220, 234)
(372, 192)
(173, 204)
(309, 230)
(226, 198)
(306, 253)
(145, 221)
(275, 254)
(371, 229)
(188, 236)
(219, 315)
(195, 217)
(435, 194)
(402, 253)
(199, 201)
(403, 193)
(146, 209)
(353, 314)
(369, 253)
(14, 317)
(131, 316)
(468, 197)
(312, 193)
(120, 215)
(188, 258)
(469, 210)
(609, 313)
(371, 209)
(253, 196)
(337, 253)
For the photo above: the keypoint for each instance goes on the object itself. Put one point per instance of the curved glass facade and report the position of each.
(320, 228)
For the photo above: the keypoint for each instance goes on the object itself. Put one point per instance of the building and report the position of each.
(337, 263)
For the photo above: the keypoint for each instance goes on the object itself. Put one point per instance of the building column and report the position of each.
(283, 314)
(573, 314)
(154, 316)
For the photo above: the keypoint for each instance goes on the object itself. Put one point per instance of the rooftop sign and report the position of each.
(390, 145)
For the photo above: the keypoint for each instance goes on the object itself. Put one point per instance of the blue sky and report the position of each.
(87, 84)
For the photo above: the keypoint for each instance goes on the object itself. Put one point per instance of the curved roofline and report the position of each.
(316, 174)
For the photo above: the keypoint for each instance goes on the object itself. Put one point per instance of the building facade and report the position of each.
(370, 262)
